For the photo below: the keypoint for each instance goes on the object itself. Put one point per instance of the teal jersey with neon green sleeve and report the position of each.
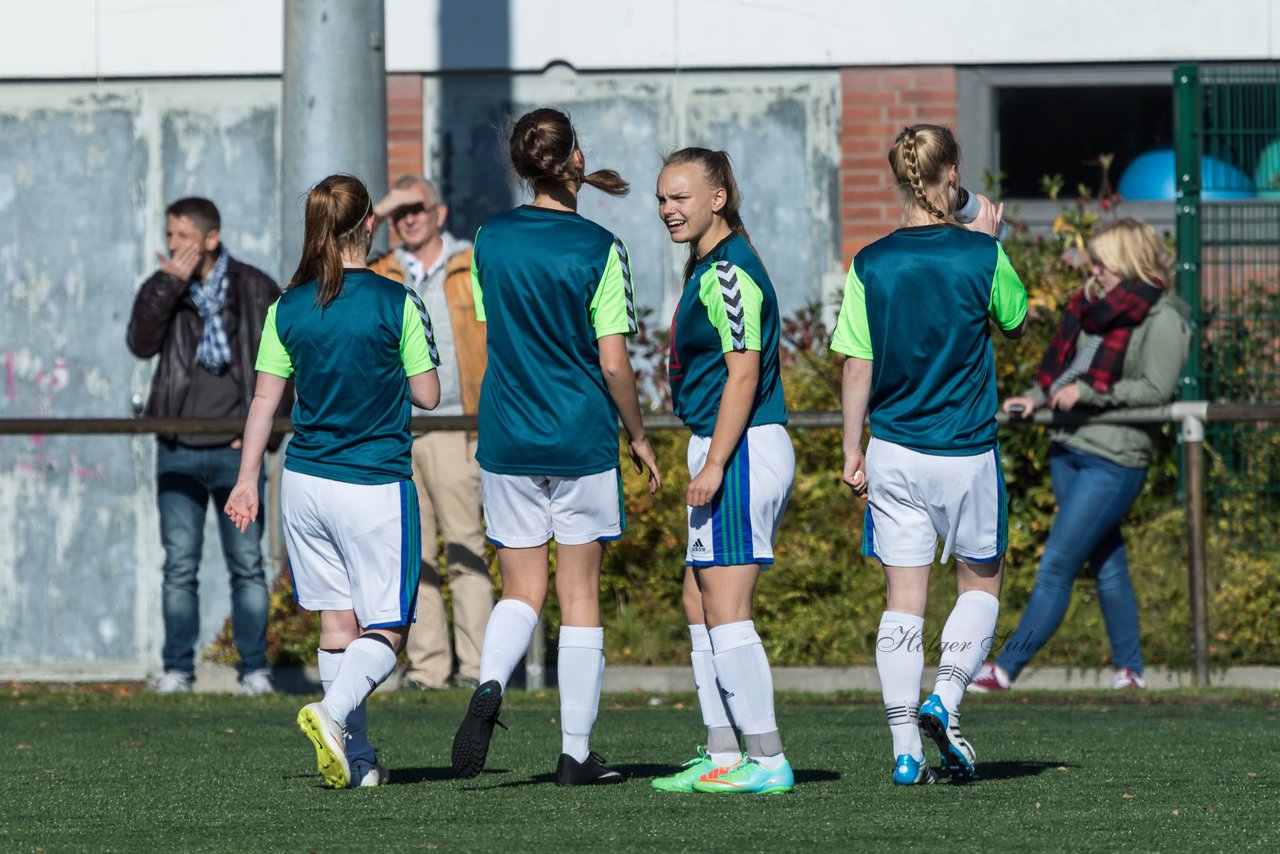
(728, 305)
(549, 284)
(917, 303)
(350, 362)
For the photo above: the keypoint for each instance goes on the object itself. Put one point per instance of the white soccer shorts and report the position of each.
(353, 546)
(522, 511)
(740, 524)
(915, 499)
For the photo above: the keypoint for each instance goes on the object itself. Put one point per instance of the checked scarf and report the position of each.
(1112, 318)
(209, 296)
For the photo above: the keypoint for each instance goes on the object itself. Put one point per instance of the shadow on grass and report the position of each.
(633, 773)
(536, 780)
(642, 773)
(409, 776)
(1015, 768)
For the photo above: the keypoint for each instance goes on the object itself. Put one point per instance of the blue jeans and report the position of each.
(1093, 496)
(186, 478)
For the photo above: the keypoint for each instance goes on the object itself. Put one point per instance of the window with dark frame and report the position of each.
(1048, 130)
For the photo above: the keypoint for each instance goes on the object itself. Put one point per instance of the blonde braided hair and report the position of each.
(920, 158)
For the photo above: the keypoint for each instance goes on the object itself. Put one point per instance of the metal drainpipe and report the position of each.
(1192, 415)
(535, 670)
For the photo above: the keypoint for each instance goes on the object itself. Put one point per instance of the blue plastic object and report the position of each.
(1150, 178)
(1267, 176)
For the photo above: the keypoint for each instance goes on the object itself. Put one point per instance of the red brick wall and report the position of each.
(876, 103)
(404, 125)
(404, 130)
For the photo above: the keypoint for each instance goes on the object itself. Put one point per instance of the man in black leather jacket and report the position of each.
(203, 313)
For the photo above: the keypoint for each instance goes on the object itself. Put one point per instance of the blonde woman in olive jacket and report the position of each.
(1123, 342)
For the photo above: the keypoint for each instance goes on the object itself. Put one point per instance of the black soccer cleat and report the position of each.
(571, 772)
(471, 744)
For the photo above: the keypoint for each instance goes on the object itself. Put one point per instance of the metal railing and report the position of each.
(1190, 416)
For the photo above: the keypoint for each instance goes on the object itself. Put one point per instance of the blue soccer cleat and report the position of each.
(909, 771)
(934, 720)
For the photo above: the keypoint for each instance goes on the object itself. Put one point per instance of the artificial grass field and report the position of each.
(111, 770)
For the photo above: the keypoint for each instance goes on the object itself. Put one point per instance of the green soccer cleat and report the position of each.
(746, 777)
(682, 781)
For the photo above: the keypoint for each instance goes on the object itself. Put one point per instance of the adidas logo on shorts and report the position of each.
(698, 546)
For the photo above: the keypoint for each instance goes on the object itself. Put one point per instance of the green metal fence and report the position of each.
(1227, 131)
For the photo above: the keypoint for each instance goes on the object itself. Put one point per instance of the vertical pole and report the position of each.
(274, 519)
(535, 668)
(1197, 577)
(1188, 120)
(334, 117)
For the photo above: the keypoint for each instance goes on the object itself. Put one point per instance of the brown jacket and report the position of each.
(468, 333)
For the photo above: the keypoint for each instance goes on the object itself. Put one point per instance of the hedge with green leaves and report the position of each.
(821, 602)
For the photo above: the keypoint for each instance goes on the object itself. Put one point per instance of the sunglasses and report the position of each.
(410, 210)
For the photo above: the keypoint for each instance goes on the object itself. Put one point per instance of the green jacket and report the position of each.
(1152, 369)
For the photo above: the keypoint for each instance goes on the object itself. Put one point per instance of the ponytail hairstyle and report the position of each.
(1131, 249)
(337, 209)
(718, 171)
(542, 145)
(920, 159)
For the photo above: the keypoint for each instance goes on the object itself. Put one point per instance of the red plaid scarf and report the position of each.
(1113, 317)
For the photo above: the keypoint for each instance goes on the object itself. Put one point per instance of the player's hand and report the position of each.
(242, 505)
(642, 457)
(855, 473)
(183, 263)
(1020, 406)
(705, 486)
(1066, 398)
(989, 217)
(396, 198)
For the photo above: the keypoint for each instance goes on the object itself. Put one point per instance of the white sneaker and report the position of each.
(255, 683)
(328, 739)
(173, 682)
(368, 772)
(1127, 678)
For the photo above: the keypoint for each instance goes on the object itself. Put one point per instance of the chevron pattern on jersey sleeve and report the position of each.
(731, 293)
(426, 324)
(624, 263)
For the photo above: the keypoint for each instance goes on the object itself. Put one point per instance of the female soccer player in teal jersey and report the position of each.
(915, 324)
(359, 350)
(555, 291)
(726, 387)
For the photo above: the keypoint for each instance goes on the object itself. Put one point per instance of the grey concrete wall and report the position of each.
(85, 173)
(781, 129)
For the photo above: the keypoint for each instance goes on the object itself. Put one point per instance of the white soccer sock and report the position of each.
(965, 640)
(742, 669)
(506, 639)
(581, 673)
(365, 665)
(900, 663)
(722, 741)
(358, 746)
